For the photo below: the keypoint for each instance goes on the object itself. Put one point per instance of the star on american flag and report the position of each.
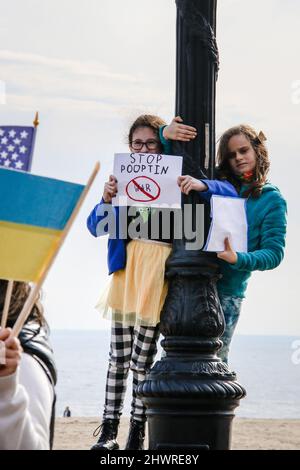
(16, 144)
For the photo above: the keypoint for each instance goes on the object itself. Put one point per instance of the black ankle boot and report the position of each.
(136, 435)
(108, 433)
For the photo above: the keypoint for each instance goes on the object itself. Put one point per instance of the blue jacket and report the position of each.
(117, 239)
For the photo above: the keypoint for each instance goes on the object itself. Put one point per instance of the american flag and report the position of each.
(16, 147)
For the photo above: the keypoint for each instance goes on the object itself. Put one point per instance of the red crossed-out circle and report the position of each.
(137, 183)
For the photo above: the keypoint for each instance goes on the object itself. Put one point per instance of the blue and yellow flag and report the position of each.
(34, 211)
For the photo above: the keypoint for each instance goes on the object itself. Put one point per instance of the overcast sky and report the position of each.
(91, 67)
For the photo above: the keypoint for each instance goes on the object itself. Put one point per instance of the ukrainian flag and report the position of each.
(34, 211)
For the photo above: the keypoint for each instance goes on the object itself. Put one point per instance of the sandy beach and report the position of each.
(248, 434)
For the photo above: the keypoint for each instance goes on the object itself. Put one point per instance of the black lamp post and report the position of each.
(191, 394)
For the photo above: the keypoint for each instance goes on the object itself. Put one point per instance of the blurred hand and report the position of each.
(228, 254)
(188, 183)
(110, 189)
(178, 131)
(13, 352)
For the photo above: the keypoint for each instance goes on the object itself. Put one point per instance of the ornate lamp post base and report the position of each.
(190, 394)
(192, 407)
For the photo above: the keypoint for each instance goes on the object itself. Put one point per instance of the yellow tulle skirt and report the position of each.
(136, 294)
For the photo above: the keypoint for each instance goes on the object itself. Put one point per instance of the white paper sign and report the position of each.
(229, 219)
(148, 180)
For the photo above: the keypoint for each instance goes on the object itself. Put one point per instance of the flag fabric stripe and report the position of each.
(35, 200)
(24, 250)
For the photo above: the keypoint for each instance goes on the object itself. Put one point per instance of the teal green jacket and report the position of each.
(266, 218)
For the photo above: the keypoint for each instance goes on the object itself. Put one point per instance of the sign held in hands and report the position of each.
(146, 179)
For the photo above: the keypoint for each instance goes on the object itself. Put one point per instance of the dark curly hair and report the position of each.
(262, 159)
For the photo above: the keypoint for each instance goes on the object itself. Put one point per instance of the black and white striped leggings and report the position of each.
(131, 348)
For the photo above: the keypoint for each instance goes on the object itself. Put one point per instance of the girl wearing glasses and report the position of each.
(137, 291)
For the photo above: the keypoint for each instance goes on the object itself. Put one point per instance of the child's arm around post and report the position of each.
(206, 188)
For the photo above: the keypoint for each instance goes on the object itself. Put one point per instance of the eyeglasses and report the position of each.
(151, 144)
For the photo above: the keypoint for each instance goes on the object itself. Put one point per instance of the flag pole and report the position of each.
(36, 120)
(8, 294)
(35, 291)
(35, 123)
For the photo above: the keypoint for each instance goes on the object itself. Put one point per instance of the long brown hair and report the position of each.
(262, 159)
(147, 120)
(19, 296)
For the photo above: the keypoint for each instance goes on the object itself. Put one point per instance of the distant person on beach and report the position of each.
(137, 291)
(27, 379)
(243, 160)
(67, 412)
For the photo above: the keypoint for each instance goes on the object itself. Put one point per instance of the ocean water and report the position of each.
(264, 365)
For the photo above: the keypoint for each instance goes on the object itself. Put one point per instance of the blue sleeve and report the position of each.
(94, 218)
(218, 188)
(167, 144)
(271, 250)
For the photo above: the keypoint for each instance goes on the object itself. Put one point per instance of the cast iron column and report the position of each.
(190, 393)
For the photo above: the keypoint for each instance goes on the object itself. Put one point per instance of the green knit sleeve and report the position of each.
(272, 241)
(167, 144)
